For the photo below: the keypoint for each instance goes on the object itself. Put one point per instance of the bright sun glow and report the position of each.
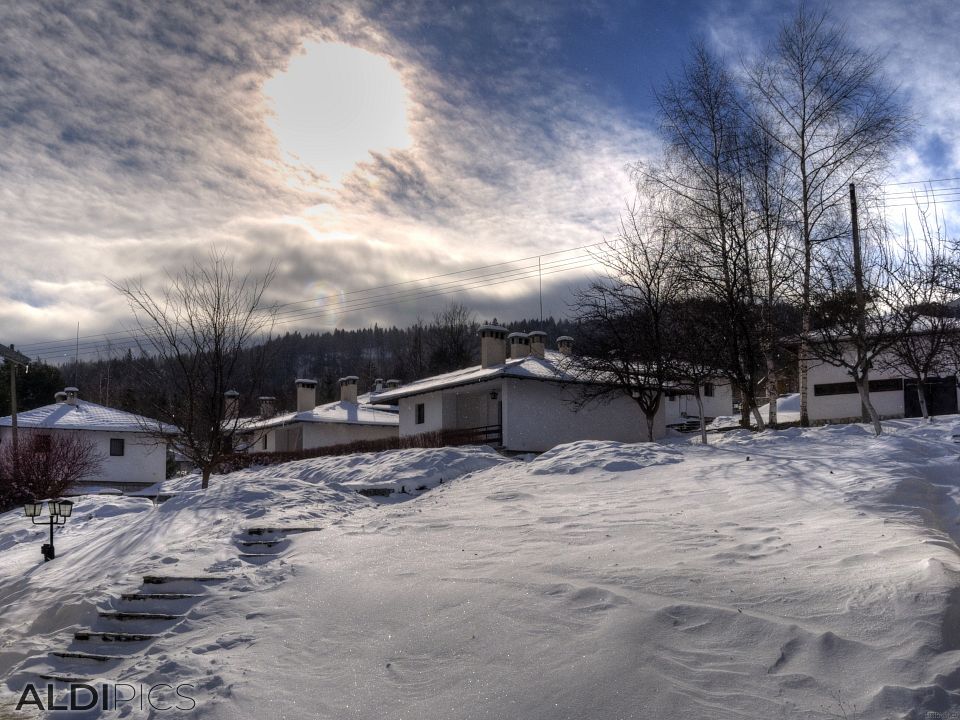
(336, 103)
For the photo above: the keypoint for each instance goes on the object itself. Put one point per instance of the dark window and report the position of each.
(850, 388)
(421, 413)
(708, 389)
(116, 447)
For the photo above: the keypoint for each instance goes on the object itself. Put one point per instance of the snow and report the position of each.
(788, 411)
(335, 412)
(772, 575)
(84, 416)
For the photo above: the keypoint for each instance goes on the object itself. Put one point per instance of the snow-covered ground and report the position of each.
(788, 411)
(793, 574)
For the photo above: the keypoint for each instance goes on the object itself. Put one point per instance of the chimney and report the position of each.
(348, 389)
(519, 345)
(493, 349)
(306, 394)
(393, 384)
(231, 404)
(538, 343)
(565, 344)
(268, 406)
(71, 395)
(60, 397)
(378, 385)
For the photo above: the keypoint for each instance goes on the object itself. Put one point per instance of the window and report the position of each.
(116, 447)
(708, 389)
(421, 413)
(850, 388)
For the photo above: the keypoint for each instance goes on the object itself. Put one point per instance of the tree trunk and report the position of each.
(205, 481)
(868, 405)
(703, 421)
(756, 415)
(922, 396)
(772, 393)
(650, 418)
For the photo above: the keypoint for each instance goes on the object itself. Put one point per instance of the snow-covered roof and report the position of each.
(358, 413)
(85, 415)
(549, 368)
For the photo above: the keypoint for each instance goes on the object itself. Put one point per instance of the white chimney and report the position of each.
(72, 395)
(268, 406)
(378, 385)
(519, 345)
(565, 344)
(306, 394)
(493, 349)
(60, 397)
(393, 384)
(231, 404)
(348, 389)
(538, 343)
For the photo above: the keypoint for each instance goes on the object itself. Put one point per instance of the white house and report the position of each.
(832, 395)
(131, 454)
(348, 420)
(524, 401)
(681, 404)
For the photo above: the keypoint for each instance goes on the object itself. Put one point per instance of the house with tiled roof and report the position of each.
(132, 451)
(521, 398)
(350, 419)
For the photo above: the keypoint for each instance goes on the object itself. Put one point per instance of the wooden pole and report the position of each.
(860, 295)
(13, 407)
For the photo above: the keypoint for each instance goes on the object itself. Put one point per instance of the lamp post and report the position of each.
(60, 510)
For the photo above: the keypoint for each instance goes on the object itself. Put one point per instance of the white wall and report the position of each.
(847, 406)
(144, 460)
(317, 435)
(538, 416)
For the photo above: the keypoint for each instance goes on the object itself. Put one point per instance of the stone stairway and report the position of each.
(133, 621)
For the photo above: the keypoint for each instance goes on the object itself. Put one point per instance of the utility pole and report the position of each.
(14, 358)
(860, 295)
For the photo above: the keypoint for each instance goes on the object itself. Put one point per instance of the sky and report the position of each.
(362, 144)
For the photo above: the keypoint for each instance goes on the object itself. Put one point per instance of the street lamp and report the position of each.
(60, 510)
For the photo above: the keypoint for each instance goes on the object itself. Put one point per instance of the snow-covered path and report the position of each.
(815, 578)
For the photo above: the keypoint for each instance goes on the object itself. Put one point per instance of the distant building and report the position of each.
(522, 398)
(131, 454)
(348, 420)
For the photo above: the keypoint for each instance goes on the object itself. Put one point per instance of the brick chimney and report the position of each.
(493, 348)
(348, 389)
(565, 344)
(306, 394)
(231, 404)
(268, 406)
(519, 345)
(538, 343)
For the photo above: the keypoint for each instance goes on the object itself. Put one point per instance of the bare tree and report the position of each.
(623, 317)
(827, 106)
(44, 465)
(198, 338)
(931, 339)
(858, 320)
(705, 180)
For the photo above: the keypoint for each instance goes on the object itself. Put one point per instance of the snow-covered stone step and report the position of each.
(65, 679)
(254, 543)
(161, 579)
(258, 556)
(160, 596)
(113, 636)
(117, 615)
(281, 530)
(76, 655)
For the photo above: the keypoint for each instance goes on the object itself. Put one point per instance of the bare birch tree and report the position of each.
(827, 105)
